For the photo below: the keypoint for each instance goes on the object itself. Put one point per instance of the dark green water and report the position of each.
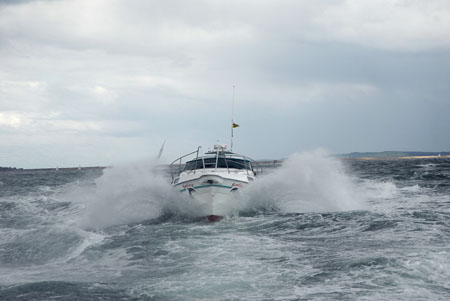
(315, 229)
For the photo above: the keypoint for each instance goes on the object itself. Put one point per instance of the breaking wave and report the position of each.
(127, 193)
(306, 182)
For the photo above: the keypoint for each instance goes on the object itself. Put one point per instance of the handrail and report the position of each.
(217, 159)
(180, 159)
(245, 159)
(183, 157)
(227, 157)
(226, 163)
(196, 158)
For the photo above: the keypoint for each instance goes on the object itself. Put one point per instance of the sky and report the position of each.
(102, 82)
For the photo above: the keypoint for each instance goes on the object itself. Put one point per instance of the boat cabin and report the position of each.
(218, 159)
(222, 160)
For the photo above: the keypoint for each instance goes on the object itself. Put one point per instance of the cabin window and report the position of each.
(221, 163)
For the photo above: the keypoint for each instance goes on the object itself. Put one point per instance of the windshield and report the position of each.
(221, 163)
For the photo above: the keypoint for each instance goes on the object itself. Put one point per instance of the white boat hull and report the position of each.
(210, 183)
(214, 196)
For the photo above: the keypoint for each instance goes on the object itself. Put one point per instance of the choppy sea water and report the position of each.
(314, 229)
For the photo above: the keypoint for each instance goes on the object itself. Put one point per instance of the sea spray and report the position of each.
(306, 182)
(127, 193)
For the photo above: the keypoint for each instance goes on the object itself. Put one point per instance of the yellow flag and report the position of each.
(235, 125)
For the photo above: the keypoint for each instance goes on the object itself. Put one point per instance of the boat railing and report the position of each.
(247, 165)
(180, 162)
(177, 166)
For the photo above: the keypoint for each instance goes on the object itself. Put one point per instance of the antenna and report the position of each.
(232, 121)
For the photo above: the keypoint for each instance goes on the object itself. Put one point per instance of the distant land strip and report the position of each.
(396, 158)
(386, 155)
(394, 155)
(51, 168)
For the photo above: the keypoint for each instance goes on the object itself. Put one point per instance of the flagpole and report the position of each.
(232, 121)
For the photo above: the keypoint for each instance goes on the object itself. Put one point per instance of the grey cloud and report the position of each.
(17, 2)
(107, 73)
(12, 2)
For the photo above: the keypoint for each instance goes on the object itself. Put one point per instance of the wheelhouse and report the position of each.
(212, 160)
(221, 161)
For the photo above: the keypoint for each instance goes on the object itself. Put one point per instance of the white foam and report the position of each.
(414, 188)
(89, 239)
(125, 194)
(379, 190)
(307, 182)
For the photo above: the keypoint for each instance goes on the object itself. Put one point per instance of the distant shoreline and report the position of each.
(366, 156)
(392, 155)
(396, 158)
(10, 169)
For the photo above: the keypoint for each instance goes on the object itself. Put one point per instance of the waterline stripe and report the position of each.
(209, 185)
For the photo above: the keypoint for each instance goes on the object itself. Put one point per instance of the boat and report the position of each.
(211, 180)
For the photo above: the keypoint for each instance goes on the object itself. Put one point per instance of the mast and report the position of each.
(232, 121)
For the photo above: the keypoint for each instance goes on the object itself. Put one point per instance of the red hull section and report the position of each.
(214, 218)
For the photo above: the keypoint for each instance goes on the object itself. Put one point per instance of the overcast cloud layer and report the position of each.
(100, 82)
